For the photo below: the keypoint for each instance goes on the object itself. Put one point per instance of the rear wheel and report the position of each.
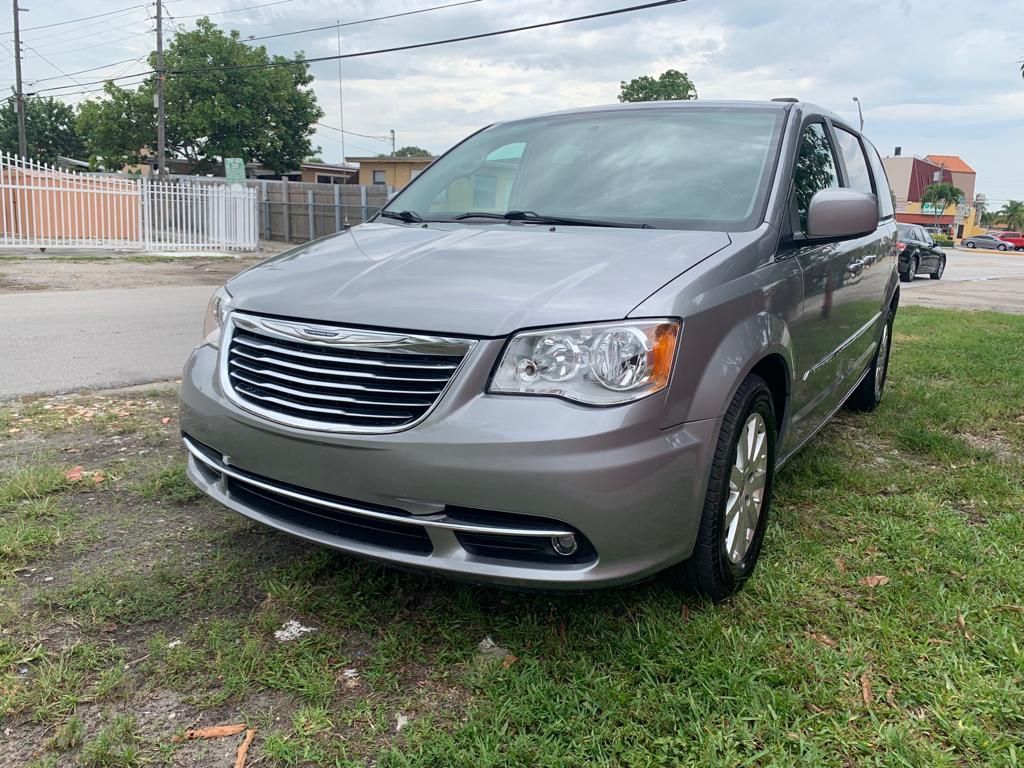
(969, 244)
(868, 393)
(908, 276)
(937, 274)
(738, 497)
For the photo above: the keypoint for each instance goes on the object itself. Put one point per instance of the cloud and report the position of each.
(932, 75)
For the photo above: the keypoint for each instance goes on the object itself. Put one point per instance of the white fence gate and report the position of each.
(45, 207)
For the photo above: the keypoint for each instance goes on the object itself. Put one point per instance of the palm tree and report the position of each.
(1012, 215)
(942, 195)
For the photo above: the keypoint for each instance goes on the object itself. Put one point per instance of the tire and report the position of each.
(970, 244)
(868, 393)
(911, 271)
(721, 564)
(1000, 247)
(937, 274)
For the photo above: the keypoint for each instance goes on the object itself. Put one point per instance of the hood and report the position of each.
(470, 280)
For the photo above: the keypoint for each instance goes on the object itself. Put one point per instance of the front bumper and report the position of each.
(507, 470)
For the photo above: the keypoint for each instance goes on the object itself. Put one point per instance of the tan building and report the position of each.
(390, 171)
(329, 173)
(963, 175)
(909, 176)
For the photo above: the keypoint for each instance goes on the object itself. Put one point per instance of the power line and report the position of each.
(394, 49)
(233, 10)
(75, 21)
(360, 21)
(432, 43)
(97, 45)
(72, 34)
(69, 75)
(353, 133)
(82, 92)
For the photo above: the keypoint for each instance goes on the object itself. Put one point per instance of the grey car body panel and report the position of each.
(609, 474)
(631, 478)
(471, 280)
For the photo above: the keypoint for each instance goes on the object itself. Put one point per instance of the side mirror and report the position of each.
(836, 214)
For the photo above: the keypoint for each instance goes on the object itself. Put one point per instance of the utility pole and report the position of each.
(341, 96)
(392, 142)
(19, 92)
(161, 116)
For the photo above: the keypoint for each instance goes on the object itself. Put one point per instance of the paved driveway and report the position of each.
(972, 280)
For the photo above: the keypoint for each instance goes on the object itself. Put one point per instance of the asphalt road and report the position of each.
(62, 341)
(972, 280)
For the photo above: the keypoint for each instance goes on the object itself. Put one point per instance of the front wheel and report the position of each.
(937, 274)
(738, 497)
(868, 393)
(1001, 247)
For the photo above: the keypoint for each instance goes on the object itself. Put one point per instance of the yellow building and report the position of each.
(390, 171)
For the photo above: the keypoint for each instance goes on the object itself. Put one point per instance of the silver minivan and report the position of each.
(572, 353)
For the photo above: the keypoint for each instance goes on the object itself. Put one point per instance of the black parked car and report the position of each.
(919, 253)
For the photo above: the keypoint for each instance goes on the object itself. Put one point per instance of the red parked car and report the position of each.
(1016, 238)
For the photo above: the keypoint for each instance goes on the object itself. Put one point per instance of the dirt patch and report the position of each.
(155, 612)
(997, 443)
(69, 274)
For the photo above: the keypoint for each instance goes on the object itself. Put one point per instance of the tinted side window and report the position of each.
(886, 208)
(815, 168)
(853, 156)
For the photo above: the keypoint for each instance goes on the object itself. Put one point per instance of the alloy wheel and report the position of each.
(746, 487)
(882, 363)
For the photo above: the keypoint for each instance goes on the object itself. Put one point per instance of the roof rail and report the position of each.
(789, 99)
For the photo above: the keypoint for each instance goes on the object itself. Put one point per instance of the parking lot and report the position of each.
(973, 280)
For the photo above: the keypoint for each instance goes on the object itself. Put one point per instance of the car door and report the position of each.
(834, 325)
(867, 282)
(933, 254)
(921, 248)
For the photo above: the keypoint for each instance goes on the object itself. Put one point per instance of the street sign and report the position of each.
(234, 170)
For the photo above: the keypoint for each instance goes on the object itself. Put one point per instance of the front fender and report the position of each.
(735, 314)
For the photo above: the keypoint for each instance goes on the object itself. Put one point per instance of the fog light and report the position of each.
(564, 545)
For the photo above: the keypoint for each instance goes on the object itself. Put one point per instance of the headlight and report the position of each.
(603, 364)
(216, 314)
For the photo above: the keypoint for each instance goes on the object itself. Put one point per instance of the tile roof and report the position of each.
(950, 163)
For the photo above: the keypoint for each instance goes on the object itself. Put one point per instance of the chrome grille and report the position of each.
(340, 379)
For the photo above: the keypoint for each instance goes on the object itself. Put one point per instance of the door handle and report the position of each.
(870, 259)
(855, 266)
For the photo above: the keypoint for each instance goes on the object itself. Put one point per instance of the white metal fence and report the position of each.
(183, 216)
(45, 207)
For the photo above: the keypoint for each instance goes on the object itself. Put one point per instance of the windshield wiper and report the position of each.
(409, 217)
(538, 218)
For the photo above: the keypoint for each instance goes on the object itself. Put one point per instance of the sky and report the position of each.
(934, 76)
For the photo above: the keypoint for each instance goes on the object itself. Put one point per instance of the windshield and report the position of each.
(683, 168)
(903, 230)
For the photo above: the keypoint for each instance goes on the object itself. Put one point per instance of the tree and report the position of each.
(119, 130)
(941, 195)
(1012, 215)
(412, 151)
(671, 85)
(223, 99)
(50, 130)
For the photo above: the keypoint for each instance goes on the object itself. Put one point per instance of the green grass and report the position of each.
(168, 483)
(809, 666)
